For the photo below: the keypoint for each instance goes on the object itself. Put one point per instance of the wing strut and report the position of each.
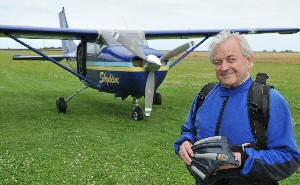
(54, 61)
(189, 51)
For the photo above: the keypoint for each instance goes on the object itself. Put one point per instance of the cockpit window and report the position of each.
(136, 37)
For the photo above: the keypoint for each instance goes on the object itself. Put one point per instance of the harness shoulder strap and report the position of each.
(259, 95)
(204, 92)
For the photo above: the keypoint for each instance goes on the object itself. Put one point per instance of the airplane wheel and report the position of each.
(61, 105)
(157, 100)
(137, 113)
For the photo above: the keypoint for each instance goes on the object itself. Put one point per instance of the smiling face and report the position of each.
(231, 66)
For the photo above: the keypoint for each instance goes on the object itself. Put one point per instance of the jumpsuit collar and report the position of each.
(232, 91)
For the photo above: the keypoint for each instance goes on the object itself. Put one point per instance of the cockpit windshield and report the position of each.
(136, 37)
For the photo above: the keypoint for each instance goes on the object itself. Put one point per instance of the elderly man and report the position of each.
(224, 112)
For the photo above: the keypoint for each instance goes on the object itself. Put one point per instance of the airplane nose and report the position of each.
(153, 62)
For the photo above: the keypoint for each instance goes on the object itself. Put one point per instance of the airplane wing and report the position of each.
(31, 32)
(91, 34)
(185, 34)
(47, 33)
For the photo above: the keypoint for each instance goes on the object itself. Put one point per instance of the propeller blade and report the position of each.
(127, 44)
(153, 63)
(149, 93)
(177, 51)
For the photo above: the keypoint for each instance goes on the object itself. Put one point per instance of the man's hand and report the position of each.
(209, 155)
(186, 152)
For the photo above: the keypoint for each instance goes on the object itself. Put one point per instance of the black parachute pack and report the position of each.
(258, 107)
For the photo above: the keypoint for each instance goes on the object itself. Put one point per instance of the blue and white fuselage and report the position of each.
(119, 71)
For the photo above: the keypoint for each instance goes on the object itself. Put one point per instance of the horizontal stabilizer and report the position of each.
(56, 57)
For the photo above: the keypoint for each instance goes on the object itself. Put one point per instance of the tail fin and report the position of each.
(68, 46)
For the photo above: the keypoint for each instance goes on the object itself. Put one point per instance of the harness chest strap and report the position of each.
(221, 116)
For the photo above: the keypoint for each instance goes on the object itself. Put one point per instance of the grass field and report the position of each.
(96, 142)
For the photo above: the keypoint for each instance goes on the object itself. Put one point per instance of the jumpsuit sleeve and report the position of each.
(188, 130)
(282, 158)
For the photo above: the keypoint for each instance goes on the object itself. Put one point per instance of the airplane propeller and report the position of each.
(177, 51)
(152, 63)
(131, 47)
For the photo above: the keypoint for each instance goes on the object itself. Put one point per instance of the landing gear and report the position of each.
(137, 113)
(62, 104)
(157, 99)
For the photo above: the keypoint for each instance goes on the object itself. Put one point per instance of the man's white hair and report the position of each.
(224, 35)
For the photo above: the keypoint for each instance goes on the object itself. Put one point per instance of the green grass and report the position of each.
(97, 142)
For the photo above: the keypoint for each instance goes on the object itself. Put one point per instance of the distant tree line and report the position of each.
(52, 47)
(285, 51)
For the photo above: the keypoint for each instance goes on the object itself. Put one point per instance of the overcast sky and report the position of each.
(160, 15)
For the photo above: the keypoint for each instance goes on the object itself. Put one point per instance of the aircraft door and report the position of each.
(81, 58)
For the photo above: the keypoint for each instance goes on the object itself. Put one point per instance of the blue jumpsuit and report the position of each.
(282, 157)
